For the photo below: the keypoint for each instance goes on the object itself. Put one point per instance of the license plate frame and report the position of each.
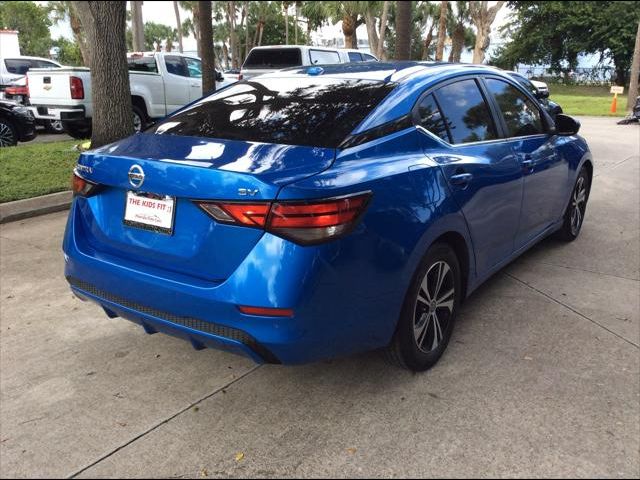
(134, 213)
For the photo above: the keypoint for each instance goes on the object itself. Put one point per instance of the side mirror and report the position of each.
(542, 95)
(566, 125)
(219, 77)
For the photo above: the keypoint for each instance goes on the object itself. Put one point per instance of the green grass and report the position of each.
(587, 100)
(29, 170)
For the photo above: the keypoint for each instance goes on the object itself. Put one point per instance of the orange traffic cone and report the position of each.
(614, 103)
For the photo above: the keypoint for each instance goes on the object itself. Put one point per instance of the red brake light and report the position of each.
(307, 223)
(22, 90)
(82, 187)
(240, 77)
(266, 312)
(76, 87)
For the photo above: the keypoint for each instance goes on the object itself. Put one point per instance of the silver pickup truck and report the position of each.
(160, 84)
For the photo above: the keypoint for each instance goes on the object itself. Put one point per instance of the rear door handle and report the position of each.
(462, 179)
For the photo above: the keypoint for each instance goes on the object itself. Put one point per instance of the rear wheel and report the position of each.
(428, 314)
(139, 119)
(53, 126)
(574, 214)
(8, 135)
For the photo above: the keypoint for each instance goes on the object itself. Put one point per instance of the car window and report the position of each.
(369, 58)
(17, 66)
(176, 65)
(144, 64)
(194, 66)
(273, 58)
(430, 118)
(355, 57)
(323, 57)
(466, 112)
(43, 64)
(312, 111)
(520, 114)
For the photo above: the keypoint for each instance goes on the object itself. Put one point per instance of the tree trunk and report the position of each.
(233, 42)
(105, 24)
(403, 30)
(196, 24)
(427, 42)
(176, 8)
(380, 53)
(246, 32)
(137, 26)
(286, 22)
(295, 24)
(79, 35)
(206, 48)
(457, 43)
(349, 31)
(372, 31)
(225, 54)
(442, 31)
(635, 72)
(261, 32)
(482, 17)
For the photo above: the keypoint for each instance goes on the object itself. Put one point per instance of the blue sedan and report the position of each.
(323, 211)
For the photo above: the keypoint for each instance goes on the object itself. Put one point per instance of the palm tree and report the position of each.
(403, 30)
(460, 31)
(428, 10)
(442, 30)
(316, 15)
(64, 10)
(176, 9)
(349, 14)
(383, 30)
(285, 5)
(483, 17)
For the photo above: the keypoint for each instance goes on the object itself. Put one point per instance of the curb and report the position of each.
(33, 207)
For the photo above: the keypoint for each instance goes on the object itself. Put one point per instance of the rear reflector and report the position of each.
(308, 222)
(82, 187)
(76, 87)
(266, 312)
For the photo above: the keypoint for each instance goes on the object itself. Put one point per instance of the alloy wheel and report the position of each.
(7, 137)
(434, 306)
(578, 205)
(137, 122)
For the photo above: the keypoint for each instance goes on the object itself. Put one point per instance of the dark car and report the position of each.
(16, 124)
(550, 106)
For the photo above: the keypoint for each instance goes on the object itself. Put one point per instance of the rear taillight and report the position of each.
(22, 90)
(83, 187)
(306, 222)
(240, 77)
(76, 87)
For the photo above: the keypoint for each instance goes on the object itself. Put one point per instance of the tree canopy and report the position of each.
(32, 22)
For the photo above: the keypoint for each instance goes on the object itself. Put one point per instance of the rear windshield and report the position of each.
(20, 66)
(273, 58)
(311, 111)
(142, 64)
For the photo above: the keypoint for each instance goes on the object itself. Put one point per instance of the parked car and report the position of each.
(269, 59)
(160, 84)
(16, 124)
(542, 95)
(12, 68)
(309, 213)
(18, 91)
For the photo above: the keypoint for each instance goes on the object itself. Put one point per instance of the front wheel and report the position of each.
(429, 310)
(574, 214)
(78, 130)
(8, 136)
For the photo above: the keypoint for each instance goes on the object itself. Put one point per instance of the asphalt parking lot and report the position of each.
(542, 377)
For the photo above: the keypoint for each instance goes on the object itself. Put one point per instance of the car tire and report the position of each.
(77, 130)
(576, 209)
(429, 310)
(53, 126)
(8, 134)
(139, 119)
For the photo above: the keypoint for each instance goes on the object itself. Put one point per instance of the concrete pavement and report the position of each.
(542, 377)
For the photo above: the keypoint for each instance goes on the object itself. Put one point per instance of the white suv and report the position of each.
(272, 58)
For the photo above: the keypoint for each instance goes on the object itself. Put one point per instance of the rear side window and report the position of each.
(369, 58)
(194, 67)
(273, 58)
(318, 112)
(323, 57)
(18, 66)
(43, 64)
(145, 64)
(520, 114)
(355, 57)
(466, 112)
(430, 118)
(176, 66)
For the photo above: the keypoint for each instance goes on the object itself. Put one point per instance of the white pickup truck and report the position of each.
(160, 84)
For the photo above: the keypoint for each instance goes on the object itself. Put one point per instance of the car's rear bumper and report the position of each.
(334, 314)
(46, 112)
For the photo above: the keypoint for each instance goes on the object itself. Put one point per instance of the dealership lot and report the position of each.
(542, 377)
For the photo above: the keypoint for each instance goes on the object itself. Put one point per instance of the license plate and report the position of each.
(150, 212)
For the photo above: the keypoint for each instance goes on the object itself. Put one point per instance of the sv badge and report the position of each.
(248, 192)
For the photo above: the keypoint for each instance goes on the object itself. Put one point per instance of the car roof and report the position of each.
(26, 57)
